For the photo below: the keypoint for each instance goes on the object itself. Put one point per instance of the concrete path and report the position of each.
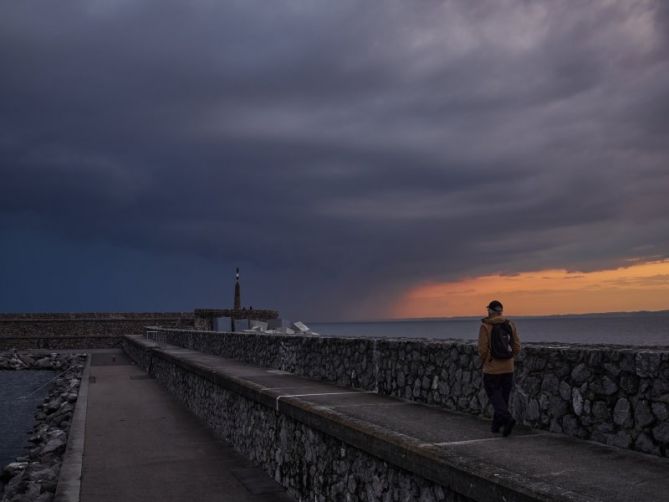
(142, 445)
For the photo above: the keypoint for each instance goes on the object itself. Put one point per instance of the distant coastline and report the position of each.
(469, 318)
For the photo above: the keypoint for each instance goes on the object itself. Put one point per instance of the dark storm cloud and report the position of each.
(348, 150)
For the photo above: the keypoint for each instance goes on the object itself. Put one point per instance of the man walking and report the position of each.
(498, 344)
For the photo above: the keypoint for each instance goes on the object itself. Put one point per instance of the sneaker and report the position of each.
(508, 427)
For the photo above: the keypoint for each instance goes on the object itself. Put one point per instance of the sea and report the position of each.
(20, 394)
(637, 328)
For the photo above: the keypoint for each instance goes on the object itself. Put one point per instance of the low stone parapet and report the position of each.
(614, 395)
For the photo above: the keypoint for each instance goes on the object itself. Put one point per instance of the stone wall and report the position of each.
(614, 395)
(73, 325)
(59, 342)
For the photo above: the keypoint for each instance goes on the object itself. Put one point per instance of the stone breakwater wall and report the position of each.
(34, 476)
(611, 394)
(61, 331)
(89, 323)
(56, 343)
(300, 446)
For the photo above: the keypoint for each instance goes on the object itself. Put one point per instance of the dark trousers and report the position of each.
(498, 388)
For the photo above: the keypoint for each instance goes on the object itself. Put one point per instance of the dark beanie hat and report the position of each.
(496, 306)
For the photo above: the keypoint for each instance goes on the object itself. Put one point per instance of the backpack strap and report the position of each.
(490, 342)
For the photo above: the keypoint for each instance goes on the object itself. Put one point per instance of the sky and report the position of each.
(356, 159)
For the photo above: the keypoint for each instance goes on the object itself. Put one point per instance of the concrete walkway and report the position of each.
(142, 445)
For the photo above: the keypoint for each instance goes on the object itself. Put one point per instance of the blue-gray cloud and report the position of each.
(341, 151)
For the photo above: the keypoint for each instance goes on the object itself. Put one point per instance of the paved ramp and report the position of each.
(142, 445)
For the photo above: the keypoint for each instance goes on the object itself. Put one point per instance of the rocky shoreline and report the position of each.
(34, 476)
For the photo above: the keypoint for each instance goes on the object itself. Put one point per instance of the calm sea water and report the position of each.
(641, 328)
(20, 394)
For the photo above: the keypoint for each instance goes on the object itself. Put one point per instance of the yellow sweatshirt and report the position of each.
(496, 366)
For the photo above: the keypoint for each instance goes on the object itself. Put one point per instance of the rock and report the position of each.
(557, 407)
(43, 363)
(612, 369)
(12, 469)
(577, 402)
(531, 385)
(32, 491)
(580, 374)
(550, 384)
(661, 433)
(595, 358)
(645, 444)
(53, 405)
(16, 484)
(604, 428)
(621, 411)
(532, 412)
(660, 410)
(565, 391)
(660, 388)
(416, 388)
(629, 383)
(534, 363)
(600, 411)
(647, 363)
(555, 426)
(351, 485)
(570, 425)
(604, 385)
(544, 401)
(44, 474)
(56, 444)
(643, 415)
(45, 497)
(621, 440)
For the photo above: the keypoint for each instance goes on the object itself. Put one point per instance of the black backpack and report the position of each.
(501, 338)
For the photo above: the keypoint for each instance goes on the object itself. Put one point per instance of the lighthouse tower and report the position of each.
(238, 302)
(238, 295)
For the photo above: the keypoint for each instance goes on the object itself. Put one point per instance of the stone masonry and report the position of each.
(611, 394)
(59, 331)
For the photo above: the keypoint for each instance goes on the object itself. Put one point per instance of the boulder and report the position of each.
(661, 433)
(580, 374)
(621, 411)
(647, 363)
(643, 415)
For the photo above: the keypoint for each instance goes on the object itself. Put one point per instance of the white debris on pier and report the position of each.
(280, 327)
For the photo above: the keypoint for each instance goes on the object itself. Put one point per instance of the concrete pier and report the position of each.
(455, 451)
(142, 445)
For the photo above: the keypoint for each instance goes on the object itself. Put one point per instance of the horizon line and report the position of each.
(464, 317)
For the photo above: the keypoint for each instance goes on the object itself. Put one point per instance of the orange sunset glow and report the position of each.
(643, 286)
